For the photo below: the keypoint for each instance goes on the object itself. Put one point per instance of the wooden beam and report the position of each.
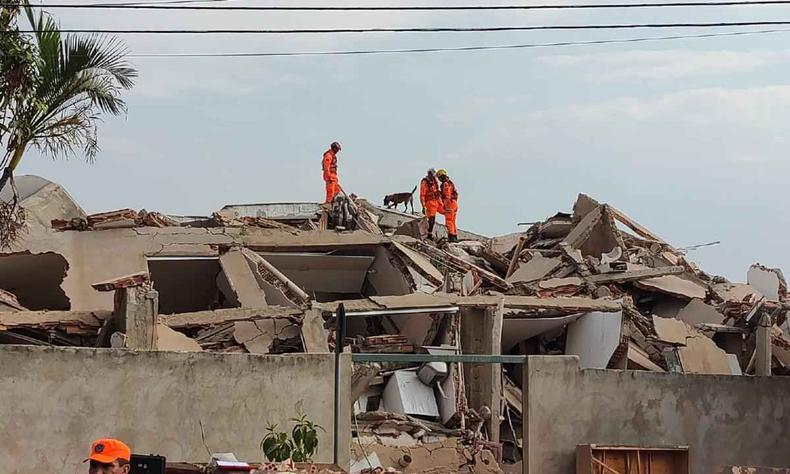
(514, 260)
(640, 230)
(126, 281)
(420, 263)
(548, 252)
(10, 337)
(574, 304)
(460, 264)
(449, 358)
(88, 320)
(429, 302)
(220, 316)
(635, 275)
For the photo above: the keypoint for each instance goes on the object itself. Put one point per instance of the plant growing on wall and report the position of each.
(302, 444)
(275, 445)
(305, 438)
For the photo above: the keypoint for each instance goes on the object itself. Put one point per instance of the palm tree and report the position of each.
(16, 64)
(76, 78)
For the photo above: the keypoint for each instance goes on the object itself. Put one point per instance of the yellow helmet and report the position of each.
(441, 173)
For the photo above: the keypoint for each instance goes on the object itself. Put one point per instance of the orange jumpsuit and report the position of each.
(430, 197)
(329, 166)
(450, 206)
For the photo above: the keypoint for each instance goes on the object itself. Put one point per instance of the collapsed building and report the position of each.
(269, 279)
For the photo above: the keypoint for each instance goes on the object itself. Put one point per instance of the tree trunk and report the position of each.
(9, 170)
(6, 176)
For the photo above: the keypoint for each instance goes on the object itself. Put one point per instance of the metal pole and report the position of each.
(340, 335)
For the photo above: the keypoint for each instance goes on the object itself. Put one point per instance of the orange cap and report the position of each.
(107, 450)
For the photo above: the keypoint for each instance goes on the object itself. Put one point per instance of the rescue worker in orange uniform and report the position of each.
(329, 166)
(430, 198)
(449, 204)
(109, 456)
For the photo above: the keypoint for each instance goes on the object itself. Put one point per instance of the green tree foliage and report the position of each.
(54, 89)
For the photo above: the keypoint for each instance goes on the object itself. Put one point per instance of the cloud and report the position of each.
(646, 65)
(710, 124)
(179, 78)
(159, 78)
(475, 108)
(758, 108)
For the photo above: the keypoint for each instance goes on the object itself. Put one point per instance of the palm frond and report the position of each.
(69, 135)
(104, 55)
(48, 43)
(77, 78)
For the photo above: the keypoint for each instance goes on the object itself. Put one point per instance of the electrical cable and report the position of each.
(155, 4)
(424, 29)
(452, 49)
(171, 5)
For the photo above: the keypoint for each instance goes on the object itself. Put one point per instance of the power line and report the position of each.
(453, 49)
(171, 5)
(427, 29)
(147, 4)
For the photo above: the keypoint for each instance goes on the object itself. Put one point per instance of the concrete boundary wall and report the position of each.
(725, 420)
(55, 401)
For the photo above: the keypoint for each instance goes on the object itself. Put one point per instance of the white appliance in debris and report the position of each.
(405, 393)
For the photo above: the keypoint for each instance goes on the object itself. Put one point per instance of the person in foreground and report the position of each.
(109, 456)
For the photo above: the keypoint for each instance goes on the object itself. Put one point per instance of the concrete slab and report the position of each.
(593, 338)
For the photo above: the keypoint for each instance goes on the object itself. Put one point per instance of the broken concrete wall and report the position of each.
(190, 285)
(104, 254)
(724, 419)
(35, 280)
(384, 278)
(768, 281)
(101, 255)
(54, 402)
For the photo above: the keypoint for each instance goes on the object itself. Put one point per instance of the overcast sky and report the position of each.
(688, 137)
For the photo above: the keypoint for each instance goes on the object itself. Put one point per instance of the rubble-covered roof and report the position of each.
(593, 283)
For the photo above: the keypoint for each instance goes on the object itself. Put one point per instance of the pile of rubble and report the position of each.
(605, 289)
(667, 301)
(220, 463)
(269, 278)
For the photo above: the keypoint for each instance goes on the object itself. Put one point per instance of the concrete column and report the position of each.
(481, 333)
(346, 412)
(525, 427)
(314, 336)
(135, 314)
(762, 349)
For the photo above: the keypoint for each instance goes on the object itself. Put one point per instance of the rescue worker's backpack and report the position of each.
(454, 194)
(332, 164)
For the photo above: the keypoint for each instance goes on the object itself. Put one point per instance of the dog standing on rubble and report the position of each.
(392, 200)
